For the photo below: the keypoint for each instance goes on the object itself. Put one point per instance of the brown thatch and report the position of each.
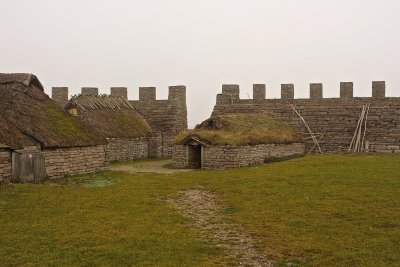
(109, 116)
(11, 136)
(242, 129)
(25, 106)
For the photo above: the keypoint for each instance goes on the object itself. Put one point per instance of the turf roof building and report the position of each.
(29, 118)
(236, 140)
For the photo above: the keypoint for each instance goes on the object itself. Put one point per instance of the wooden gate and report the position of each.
(28, 166)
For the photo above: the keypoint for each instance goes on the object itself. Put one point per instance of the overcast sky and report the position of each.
(203, 44)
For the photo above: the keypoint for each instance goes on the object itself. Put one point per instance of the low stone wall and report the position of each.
(217, 157)
(60, 162)
(180, 156)
(5, 165)
(127, 149)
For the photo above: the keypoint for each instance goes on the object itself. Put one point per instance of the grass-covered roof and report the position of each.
(243, 129)
(109, 116)
(25, 107)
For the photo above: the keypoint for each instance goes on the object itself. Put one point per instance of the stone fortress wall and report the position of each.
(335, 118)
(167, 118)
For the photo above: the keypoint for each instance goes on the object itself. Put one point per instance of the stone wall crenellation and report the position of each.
(334, 118)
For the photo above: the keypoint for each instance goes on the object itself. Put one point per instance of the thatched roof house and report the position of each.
(108, 116)
(236, 140)
(30, 116)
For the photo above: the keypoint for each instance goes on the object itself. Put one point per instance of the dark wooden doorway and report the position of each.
(194, 156)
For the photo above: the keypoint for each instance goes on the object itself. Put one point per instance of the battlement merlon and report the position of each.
(287, 91)
(177, 94)
(119, 91)
(89, 91)
(378, 89)
(259, 91)
(147, 93)
(60, 95)
(230, 93)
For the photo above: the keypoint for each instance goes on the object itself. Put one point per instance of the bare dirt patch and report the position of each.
(205, 212)
(147, 166)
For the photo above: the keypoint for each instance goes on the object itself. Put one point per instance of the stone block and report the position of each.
(232, 90)
(287, 91)
(119, 91)
(147, 93)
(89, 91)
(316, 91)
(378, 89)
(259, 91)
(60, 95)
(346, 90)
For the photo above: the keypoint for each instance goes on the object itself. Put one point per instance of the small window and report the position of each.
(73, 111)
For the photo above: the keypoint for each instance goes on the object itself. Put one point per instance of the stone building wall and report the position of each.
(5, 165)
(217, 157)
(119, 149)
(60, 162)
(336, 118)
(168, 117)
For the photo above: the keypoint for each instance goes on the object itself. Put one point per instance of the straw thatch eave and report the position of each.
(35, 115)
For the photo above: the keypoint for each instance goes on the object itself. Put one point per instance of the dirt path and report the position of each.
(147, 166)
(202, 207)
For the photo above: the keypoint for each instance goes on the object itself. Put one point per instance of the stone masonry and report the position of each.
(5, 164)
(60, 162)
(60, 95)
(335, 118)
(127, 149)
(218, 157)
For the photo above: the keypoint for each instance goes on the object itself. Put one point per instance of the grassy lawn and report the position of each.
(331, 210)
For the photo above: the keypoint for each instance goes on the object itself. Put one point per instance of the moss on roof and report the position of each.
(25, 106)
(243, 129)
(109, 116)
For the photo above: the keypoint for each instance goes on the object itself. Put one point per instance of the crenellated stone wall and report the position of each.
(168, 117)
(218, 157)
(334, 118)
(119, 149)
(5, 164)
(60, 162)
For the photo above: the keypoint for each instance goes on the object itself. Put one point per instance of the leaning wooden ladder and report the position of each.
(358, 142)
(312, 134)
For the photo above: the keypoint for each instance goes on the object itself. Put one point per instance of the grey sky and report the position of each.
(203, 44)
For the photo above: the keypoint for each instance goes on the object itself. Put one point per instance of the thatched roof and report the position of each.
(11, 136)
(25, 106)
(22, 78)
(242, 129)
(109, 116)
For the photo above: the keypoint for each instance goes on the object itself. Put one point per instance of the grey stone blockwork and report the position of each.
(287, 91)
(119, 91)
(89, 91)
(60, 95)
(5, 164)
(378, 89)
(60, 162)
(218, 157)
(259, 91)
(119, 149)
(346, 90)
(316, 91)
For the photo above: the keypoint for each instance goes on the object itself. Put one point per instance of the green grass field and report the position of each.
(332, 210)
